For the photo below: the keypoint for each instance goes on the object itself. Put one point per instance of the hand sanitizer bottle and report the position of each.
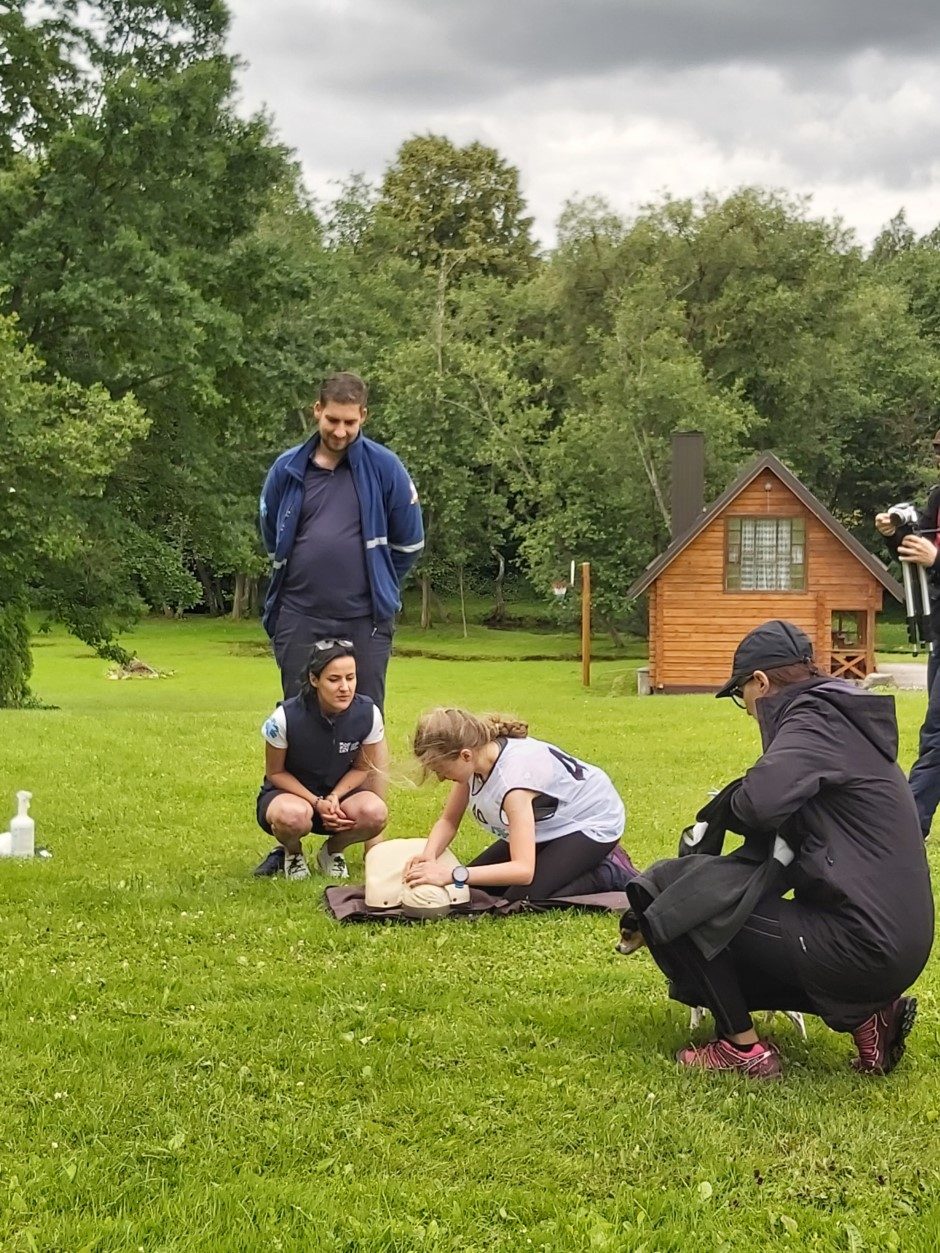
(22, 828)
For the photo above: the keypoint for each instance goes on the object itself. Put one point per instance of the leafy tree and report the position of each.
(904, 356)
(605, 469)
(349, 218)
(892, 241)
(59, 445)
(914, 265)
(454, 209)
(138, 248)
(464, 423)
(39, 83)
(783, 318)
(159, 252)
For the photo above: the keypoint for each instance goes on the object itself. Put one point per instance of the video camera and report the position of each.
(904, 518)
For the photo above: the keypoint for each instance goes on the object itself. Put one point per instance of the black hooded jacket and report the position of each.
(828, 784)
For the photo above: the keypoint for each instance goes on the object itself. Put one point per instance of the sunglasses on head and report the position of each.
(322, 645)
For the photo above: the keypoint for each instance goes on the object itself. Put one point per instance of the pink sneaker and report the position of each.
(880, 1039)
(760, 1061)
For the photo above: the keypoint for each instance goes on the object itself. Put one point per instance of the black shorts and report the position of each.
(266, 796)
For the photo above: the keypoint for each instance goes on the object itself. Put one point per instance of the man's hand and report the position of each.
(918, 549)
(883, 524)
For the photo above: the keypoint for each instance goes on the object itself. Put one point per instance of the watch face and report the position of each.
(460, 875)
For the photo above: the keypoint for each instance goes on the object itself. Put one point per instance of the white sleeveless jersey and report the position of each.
(572, 795)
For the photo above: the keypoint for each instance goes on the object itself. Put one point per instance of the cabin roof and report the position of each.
(767, 461)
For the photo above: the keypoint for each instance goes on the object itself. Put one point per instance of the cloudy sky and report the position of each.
(837, 99)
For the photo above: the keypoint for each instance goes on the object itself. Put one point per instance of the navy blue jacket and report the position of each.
(392, 529)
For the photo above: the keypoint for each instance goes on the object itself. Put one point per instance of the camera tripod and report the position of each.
(916, 590)
(916, 605)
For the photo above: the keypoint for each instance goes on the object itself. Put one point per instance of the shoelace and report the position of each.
(713, 1052)
(730, 1058)
(867, 1041)
(716, 1053)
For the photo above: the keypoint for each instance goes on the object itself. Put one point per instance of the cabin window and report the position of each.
(765, 555)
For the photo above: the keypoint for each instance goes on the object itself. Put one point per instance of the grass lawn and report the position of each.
(196, 1060)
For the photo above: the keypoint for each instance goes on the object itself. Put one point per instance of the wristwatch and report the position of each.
(460, 876)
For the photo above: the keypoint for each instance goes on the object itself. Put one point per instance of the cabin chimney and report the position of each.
(688, 480)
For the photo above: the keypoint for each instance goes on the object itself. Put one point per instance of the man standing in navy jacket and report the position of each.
(342, 525)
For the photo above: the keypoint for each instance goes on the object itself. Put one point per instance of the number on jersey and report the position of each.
(574, 767)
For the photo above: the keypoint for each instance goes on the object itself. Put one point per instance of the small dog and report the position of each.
(631, 939)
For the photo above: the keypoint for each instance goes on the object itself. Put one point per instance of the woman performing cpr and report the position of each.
(557, 820)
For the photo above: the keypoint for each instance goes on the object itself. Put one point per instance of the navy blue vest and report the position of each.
(319, 749)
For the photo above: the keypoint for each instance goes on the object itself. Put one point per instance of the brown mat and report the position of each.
(349, 905)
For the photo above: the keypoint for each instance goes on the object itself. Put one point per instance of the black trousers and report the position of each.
(568, 863)
(754, 972)
(925, 772)
(294, 636)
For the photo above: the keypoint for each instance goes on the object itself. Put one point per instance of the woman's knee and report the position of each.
(290, 816)
(371, 814)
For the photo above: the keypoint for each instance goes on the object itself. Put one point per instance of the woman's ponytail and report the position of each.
(441, 733)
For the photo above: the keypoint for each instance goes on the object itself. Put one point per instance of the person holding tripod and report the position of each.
(919, 546)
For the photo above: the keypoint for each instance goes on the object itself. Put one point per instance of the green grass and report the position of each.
(891, 642)
(538, 639)
(194, 1060)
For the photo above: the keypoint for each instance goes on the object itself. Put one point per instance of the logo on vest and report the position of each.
(349, 746)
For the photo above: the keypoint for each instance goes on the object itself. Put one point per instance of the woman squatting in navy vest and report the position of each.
(325, 764)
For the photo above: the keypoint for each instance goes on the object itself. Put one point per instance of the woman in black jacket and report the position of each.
(827, 812)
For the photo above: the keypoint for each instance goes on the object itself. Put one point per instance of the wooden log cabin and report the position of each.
(766, 548)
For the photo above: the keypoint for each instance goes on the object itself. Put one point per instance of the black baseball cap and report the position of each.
(772, 644)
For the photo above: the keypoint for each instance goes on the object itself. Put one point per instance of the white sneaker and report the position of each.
(295, 867)
(333, 865)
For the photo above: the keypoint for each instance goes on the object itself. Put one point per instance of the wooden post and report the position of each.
(586, 623)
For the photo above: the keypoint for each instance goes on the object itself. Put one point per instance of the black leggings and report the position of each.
(568, 862)
(755, 971)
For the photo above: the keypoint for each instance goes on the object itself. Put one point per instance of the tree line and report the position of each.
(171, 295)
